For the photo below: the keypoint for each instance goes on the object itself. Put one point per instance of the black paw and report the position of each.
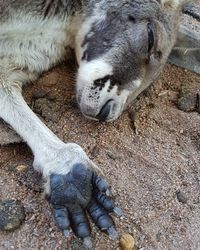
(79, 191)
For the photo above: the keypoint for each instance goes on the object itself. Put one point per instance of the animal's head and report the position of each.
(121, 48)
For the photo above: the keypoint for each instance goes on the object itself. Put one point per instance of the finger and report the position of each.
(100, 183)
(102, 219)
(57, 185)
(108, 204)
(61, 217)
(99, 216)
(81, 177)
(79, 222)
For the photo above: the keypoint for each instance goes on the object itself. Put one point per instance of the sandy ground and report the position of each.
(150, 156)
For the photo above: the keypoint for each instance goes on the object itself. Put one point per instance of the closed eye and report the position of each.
(150, 36)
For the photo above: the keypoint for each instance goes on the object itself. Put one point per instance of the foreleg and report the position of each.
(72, 183)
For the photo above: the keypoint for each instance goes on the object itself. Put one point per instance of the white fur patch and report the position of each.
(36, 43)
(90, 71)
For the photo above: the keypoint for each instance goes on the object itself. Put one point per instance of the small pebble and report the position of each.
(21, 168)
(112, 155)
(189, 102)
(95, 151)
(181, 197)
(127, 242)
(39, 94)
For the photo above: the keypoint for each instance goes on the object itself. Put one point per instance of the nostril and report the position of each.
(105, 110)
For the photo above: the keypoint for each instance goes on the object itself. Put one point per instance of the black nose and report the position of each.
(104, 112)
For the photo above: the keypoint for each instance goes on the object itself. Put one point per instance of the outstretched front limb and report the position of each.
(72, 184)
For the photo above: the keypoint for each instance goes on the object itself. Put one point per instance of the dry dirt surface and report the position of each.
(150, 156)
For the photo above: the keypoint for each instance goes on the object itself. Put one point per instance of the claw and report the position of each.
(87, 242)
(108, 204)
(118, 211)
(66, 233)
(108, 192)
(112, 232)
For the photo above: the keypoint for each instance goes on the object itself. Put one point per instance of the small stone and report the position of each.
(127, 242)
(112, 155)
(95, 151)
(39, 94)
(181, 197)
(21, 168)
(132, 116)
(51, 96)
(12, 214)
(189, 102)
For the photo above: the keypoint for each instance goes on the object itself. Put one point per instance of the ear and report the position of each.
(188, 33)
(174, 3)
(187, 38)
(186, 52)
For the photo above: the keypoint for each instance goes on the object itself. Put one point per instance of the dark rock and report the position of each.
(51, 95)
(181, 197)
(158, 236)
(95, 151)
(39, 94)
(12, 214)
(189, 102)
